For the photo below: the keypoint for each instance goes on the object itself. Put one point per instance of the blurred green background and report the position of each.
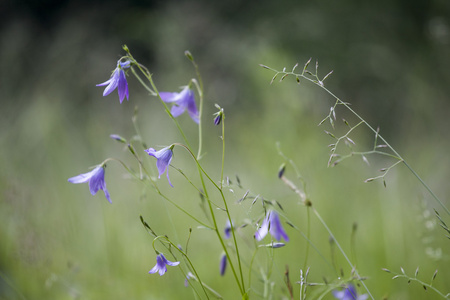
(390, 60)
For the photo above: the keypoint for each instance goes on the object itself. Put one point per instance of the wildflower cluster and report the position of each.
(267, 222)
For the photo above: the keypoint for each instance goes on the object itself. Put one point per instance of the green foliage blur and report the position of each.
(390, 60)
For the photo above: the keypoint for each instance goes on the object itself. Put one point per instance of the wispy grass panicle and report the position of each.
(427, 285)
(380, 142)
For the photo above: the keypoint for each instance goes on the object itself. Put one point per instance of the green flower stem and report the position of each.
(342, 251)
(308, 204)
(147, 74)
(225, 202)
(307, 238)
(223, 153)
(216, 294)
(240, 283)
(142, 82)
(179, 207)
(199, 85)
(251, 266)
(157, 189)
(308, 235)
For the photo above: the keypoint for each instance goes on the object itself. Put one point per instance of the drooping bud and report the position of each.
(217, 119)
(218, 115)
(281, 170)
(118, 138)
(223, 264)
(189, 55)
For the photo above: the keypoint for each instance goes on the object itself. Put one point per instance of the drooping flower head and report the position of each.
(218, 115)
(273, 225)
(161, 263)
(96, 180)
(182, 101)
(349, 293)
(163, 158)
(117, 80)
(227, 230)
(223, 264)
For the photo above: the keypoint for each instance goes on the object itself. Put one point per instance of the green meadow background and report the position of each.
(390, 60)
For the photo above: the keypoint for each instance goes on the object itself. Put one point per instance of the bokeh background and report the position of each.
(390, 60)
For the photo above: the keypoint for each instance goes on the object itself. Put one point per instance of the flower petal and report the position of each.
(223, 264)
(177, 110)
(276, 229)
(83, 177)
(263, 230)
(191, 107)
(168, 262)
(105, 191)
(151, 152)
(106, 82)
(97, 180)
(113, 82)
(169, 97)
(122, 86)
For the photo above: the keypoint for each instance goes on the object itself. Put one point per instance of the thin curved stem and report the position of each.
(342, 250)
(319, 83)
(240, 283)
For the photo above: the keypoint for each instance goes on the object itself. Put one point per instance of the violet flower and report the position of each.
(117, 80)
(349, 293)
(218, 115)
(223, 264)
(163, 156)
(182, 101)
(161, 263)
(227, 230)
(271, 224)
(96, 179)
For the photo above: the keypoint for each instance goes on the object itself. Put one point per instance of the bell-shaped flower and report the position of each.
(182, 101)
(161, 263)
(349, 293)
(163, 158)
(223, 264)
(117, 80)
(273, 225)
(96, 180)
(227, 229)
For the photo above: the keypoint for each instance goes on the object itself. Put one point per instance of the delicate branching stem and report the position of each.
(309, 206)
(147, 74)
(223, 152)
(320, 84)
(142, 82)
(308, 234)
(241, 281)
(425, 285)
(199, 85)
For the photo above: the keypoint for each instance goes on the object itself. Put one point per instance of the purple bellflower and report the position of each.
(223, 264)
(349, 293)
(182, 101)
(161, 263)
(163, 156)
(271, 224)
(227, 230)
(117, 80)
(96, 179)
